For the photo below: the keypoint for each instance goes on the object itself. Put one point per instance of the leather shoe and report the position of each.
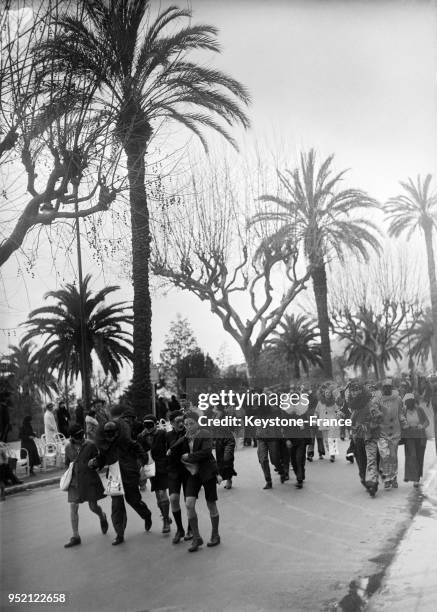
(195, 544)
(178, 536)
(188, 536)
(74, 541)
(214, 541)
(118, 540)
(148, 521)
(268, 485)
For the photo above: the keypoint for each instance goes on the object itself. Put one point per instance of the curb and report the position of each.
(26, 486)
(412, 595)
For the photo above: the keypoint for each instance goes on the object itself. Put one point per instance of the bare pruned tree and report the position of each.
(202, 244)
(57, 158)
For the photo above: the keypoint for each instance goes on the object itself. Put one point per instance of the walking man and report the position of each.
(115, 444)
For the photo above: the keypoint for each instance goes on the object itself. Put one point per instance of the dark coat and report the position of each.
(85, 483)
(174, 465)
(224, 452)
(63, 419)
(26, 442)
(123, 449)
(79, 414)
(202, 453)
(299, 435)
(156, 444)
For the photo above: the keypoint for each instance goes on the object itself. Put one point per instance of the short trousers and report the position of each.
(159, 482)
(176, 482)
(194, 484)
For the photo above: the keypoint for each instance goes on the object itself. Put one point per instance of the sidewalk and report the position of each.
(40, 479)
(410, 584)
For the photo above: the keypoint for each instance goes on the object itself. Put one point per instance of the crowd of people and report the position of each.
(183, 463)
(381, 418)
(175, 456)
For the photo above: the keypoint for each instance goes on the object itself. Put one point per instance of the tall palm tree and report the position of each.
(60, 327)
(295, 343)
(417, 209)
(141, 73)
(318, 214)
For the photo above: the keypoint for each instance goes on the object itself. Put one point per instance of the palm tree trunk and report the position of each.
(142, 306)
(296, 370)
(433, 291)
(320, 287)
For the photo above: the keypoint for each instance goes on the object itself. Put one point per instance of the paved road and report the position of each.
(281, 549)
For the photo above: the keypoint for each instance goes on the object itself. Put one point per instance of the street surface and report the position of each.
(283, 549)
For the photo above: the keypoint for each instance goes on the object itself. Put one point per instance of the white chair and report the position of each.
(49, 455)
(23, 460)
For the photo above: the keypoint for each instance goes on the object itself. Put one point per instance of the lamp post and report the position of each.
(84, 369)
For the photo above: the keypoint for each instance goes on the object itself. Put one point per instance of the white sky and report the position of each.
(355, 79)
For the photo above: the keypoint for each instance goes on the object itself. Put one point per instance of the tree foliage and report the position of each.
(295, 343)
(108, 337)
(313, 212)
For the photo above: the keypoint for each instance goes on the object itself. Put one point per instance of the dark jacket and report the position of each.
(299, 435)
(201, 455)
(63, 418)
(84, 479)
(224, 452)
(156, 444)
(174, 465)
(79, 414)
(26, 435)
(123, 449)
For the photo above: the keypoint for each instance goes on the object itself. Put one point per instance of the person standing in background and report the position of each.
(5, 425)
(50, 425)
(27, 437)
(79, 414)
(63, 418)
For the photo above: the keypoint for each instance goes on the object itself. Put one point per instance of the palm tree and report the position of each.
(31, 379)
(141, 73)
(60, 327)
(372, 339)
(422, 335)
(417, 209)
(295, 344)
(319, 215)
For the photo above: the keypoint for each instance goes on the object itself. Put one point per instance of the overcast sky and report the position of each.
(355, 79)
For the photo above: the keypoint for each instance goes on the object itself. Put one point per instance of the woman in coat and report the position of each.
(27, 437)
(224, 449)
(154, 442)
(414, 436)
(85, 485)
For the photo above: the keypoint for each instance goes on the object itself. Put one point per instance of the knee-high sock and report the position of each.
(178, 519)
(215, 525)
(164, 506)
(194, 524)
